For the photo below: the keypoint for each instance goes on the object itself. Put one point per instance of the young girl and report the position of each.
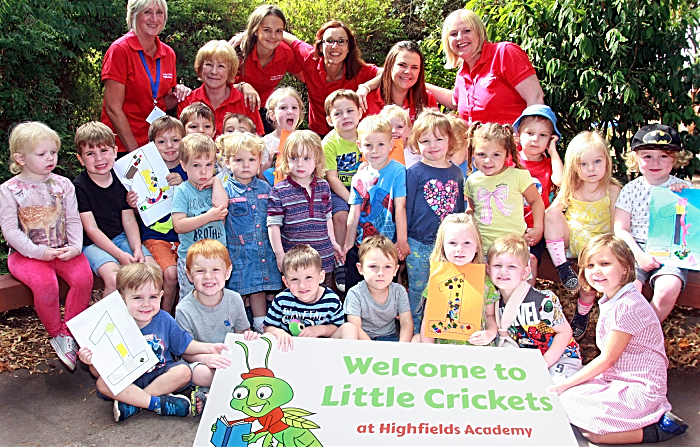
(458, 241)
(299, 208)
(41, 224)
(434, 189)
(620, 396)
(284, 107)
(246, 236)
(496, 192)
(582, 209)
(400, 131)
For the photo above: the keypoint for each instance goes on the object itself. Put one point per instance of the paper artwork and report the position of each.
(674, 228)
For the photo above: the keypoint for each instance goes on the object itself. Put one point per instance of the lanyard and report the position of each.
(154, 85)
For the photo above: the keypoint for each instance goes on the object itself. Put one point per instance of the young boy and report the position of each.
(377, 198)
(655, 151)
(200, 204)
(238, 122)
(141, 288)
(198, 118)
(305, 308)
(527, 317)
(342, 160)
(400, 131)
(110, 232)
(374, 304)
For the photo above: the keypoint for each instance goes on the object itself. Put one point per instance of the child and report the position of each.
(199, 204)
(620, 396)
(496, 192)
(198, 118)
(305, 309)
(342, 160)
(655, 151)
(32, 204)
(374, 304)
(434, 190)
(459, 158)
(238, 122)
(284, 107)
(400, 130)
(111, 233)
(254, 270)
(209, 312)
(583, 209)
(459, 242)
(140, 285)
(378, 196)
(299, 208)
(528, 318)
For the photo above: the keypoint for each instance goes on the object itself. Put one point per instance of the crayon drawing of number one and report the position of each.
(455, 288)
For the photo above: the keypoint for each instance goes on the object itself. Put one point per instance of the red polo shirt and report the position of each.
(234, 104)
(315, 78)
(486, 93)
(122, 63)
(375, 103)
(265, 79)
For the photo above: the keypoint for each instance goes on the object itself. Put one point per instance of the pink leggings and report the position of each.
(40, 276)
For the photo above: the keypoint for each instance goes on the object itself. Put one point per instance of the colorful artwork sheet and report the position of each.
(674, 228)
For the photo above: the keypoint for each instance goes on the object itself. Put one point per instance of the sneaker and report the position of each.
(672, 424)
(174, 405)
(340, 277)
(65, 347)
(123, 411)
(567, 276)
(579, 324)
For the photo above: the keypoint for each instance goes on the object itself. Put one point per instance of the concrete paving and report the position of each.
(61, 409)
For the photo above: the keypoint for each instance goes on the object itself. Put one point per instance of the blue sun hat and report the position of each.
(538, 110)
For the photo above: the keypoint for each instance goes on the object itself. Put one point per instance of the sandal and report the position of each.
(201, 393)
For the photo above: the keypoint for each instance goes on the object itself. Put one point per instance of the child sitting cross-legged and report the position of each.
(373, 304)
(141, 287)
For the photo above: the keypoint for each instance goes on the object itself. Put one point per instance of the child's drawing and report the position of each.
(106, 328)
(673, 239)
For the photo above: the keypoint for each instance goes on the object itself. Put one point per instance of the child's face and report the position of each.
(378, 269)
(233, 125)
(655, 165)
(208, 275)
(460, 244)
(304, 283)
(345, 116)
(200, 124)
(199, 170)
(375, 147)
(535, 135)
(398, 129)
(41, 160)
(507, 271)
(143, 304)
(98, 160)
(270, 32)
(303, 166)
(244, 166)
(287, 113)
(433, 147)
(168, 144)
(490, 157)
(604, 272)
(592, 166)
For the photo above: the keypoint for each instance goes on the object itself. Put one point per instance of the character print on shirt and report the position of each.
(347, 166)
(43, 224)
(441, 197)
(158, 348)
(375, 212)
(499, 196)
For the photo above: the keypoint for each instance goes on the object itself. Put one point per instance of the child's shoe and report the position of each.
(567, 276)
(174, 405)
(669, 426)
(123, 411)
(340, 277)
(199, 393)
(579, 324)
(66, 349)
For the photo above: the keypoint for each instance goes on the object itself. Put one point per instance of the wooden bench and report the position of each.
(14, 294)
(689, 297)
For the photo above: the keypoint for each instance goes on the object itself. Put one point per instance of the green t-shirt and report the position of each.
(341, 155)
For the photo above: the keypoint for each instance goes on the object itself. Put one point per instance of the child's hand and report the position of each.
(312, 331)
(217, 213)
(533, 235)
(50, 254)
(346, 248)
(481, 338)
(403, 248)
(338, 253)
(678, 187)
(647, 262)
(132, 199)
(68, 253)
(284, 341)
(558, 388)
(217, 361)
(279, 257)
(250, 335)
(125, 258)
(208, 184)
(217, 348)
(173, 179)
(85, 356)
(552, 148)
(138, 255)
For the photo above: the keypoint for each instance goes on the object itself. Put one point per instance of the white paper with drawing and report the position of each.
(144, 171)
(119, 352)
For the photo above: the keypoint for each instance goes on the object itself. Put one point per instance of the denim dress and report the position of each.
(254, 263)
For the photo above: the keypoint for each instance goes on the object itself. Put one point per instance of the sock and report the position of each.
(154, 405)
(556, 251)
(654, 433)
(258, 321)
(583, 308)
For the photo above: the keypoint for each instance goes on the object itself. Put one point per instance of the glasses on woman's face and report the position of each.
(340, 42)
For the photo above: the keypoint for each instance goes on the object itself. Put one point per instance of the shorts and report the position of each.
(644, 276)
(182, 280)
(164, 252)
(390, 337)
(338, 204)
(146, 379)
(564, 368)
(538, 249)
(98, 257)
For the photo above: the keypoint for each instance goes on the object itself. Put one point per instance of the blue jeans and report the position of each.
(98, 257)
(418, 267)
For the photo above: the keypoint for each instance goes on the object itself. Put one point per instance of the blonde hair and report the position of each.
(374, 124)
(392, 111)
(618, 248)
(164, 124)
(242, 119)
(470, 20)
(503, 134)
(380, 242)
(469, 223)
(195, 145)
(137, 275)
(135, 7)
(300, 143)
(230, 144)
(582, 143)
(460, 129)
(93, 134)
(277, 95)
(680, 158)
(24, 138)
(196, 109)
(338, 95)
(217, 50)
(301, 257)
(511, 244)
(208, 249)
(428, 121)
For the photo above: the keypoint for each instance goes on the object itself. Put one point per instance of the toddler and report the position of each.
(238, 122)
(400, 130)
(284, 107)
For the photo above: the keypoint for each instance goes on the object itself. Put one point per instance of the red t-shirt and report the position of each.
(315, 78)
(234, 104)
(375, 103)
(541, 172)
(265, 79)
(486, 93)
(122, 63)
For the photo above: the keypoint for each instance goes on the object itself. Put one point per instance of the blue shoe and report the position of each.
(123, 411)
(672, 424)
(173, 405)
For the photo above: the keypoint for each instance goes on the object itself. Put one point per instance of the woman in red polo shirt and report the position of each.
(496, 81)
(139, 75)
(216, 65)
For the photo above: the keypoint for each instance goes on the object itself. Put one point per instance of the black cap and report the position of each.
(656, 136)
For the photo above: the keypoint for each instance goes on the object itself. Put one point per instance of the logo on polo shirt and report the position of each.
(276, 77)
(167, 75)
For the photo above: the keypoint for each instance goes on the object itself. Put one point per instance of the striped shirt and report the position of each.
(286, 309)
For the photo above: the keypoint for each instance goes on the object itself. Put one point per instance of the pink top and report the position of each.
(36, 215)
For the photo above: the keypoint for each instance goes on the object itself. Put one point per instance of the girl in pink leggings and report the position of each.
(39, 219)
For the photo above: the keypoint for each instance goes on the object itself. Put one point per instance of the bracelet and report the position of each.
(240, 86)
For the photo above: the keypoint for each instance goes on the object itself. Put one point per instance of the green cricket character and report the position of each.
(260, 395)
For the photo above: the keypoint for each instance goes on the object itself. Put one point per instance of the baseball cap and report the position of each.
(538, 110)
(656, 136)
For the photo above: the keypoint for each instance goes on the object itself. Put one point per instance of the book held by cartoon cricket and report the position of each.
(674, 228)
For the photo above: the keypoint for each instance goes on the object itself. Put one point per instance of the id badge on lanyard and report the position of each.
(155, 85)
